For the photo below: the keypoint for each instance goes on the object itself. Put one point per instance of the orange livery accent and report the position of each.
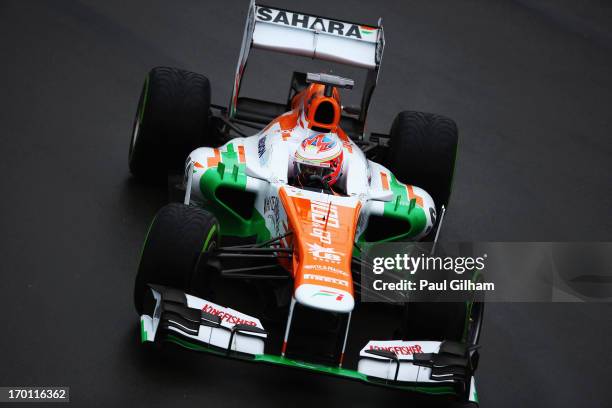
(411, 195)
(287, 122)
(346, 141)
(323, 234)
(384, 179)
(241, 154)
(214, 161)
(312, 101)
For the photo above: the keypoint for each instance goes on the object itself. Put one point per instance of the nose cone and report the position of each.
(324, 231)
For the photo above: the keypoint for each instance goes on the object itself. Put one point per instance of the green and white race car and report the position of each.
(261, 258)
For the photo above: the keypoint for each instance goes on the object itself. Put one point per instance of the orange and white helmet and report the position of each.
(318, 160)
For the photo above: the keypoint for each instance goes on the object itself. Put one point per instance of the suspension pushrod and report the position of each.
(254, 249)
(252, 276)
(252, 268)
(238, 255)
(263, 244)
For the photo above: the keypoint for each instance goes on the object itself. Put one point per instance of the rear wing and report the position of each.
(311, 36)
(316, 37)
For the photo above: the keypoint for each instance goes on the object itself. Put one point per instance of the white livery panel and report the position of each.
(380, 367)
(219, 336)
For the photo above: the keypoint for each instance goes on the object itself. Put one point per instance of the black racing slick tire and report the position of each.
(422, 151)
(438, 321)
(172, 120)
(465, 404)
(435, 321)
(177, 237)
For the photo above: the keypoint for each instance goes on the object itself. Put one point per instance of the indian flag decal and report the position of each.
(365, 30)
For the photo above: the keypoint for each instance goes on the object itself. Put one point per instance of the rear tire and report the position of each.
(176, 238)
(172, 120)
(422, 151)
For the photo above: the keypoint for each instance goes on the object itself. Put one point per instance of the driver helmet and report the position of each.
(318, 160)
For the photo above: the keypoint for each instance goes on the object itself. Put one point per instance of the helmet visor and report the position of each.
(312, 174)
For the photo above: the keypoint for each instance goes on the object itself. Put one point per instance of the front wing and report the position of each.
(430, 367)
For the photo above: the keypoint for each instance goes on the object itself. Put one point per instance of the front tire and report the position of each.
(171, 121)
(439, 320)
(177, 237)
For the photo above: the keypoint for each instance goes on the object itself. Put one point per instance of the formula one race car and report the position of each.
(271, 225)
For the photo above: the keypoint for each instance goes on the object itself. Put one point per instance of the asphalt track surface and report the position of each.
(528, 83)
